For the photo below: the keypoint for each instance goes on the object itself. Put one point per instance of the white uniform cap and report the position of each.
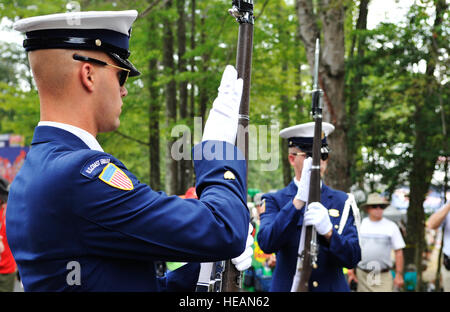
(119, 21)
(302, 137)
(305, 130)
(106, 31)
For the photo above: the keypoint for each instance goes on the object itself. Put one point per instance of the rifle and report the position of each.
(242, 11)
(308, 258)
(223, 275)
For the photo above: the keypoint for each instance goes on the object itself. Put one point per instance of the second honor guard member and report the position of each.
(334, 219)
(78, 219)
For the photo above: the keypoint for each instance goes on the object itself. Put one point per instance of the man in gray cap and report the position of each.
(379, 236)
(78, 219)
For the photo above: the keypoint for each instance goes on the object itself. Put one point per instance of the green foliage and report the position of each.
(394, 87)
(388, 97)
(19, 105)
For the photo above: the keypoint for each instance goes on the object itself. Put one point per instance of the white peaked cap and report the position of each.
(119, 21)
(305, 130)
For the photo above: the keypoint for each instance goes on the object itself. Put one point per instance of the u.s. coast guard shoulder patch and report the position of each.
(92, 168)
(115, 177)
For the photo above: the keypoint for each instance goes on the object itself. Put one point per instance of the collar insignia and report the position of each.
(228, 175)
(334, 213)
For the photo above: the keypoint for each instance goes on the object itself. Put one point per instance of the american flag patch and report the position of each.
(115, 177)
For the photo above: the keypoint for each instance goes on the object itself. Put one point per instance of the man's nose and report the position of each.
(123, 91)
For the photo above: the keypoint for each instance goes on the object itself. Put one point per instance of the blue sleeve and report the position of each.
(147, 225)
(345, 247)
(182, 279)
(278, 226)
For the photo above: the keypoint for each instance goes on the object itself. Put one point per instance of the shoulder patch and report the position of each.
(94, 166)
(115, 177)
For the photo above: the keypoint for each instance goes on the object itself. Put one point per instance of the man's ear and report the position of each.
(291, 159)
(323, 167)
(86, 74)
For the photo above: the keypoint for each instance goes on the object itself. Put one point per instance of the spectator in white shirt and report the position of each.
(378, 237)
(437, 219)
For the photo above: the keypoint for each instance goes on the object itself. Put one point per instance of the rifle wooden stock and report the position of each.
(244, 68)
(231, 278)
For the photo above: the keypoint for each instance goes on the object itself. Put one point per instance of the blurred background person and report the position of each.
(437, 219)
(8, 266)
(378, 237)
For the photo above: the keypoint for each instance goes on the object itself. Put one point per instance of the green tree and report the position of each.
(400, 115)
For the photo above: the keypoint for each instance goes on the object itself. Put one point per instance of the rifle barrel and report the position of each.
(308, 257)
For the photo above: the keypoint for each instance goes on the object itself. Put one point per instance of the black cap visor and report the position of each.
(125, 63)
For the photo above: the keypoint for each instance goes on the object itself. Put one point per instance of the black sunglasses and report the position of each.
(376, 206)
(298, 153)
(323, 156)
(122, 74)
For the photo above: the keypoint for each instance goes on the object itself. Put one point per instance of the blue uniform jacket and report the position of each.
(280, 233)
(62, 220)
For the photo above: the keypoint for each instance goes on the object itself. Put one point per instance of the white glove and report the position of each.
(244, 261)
(223, 117)
(317, 215)
(303, 187)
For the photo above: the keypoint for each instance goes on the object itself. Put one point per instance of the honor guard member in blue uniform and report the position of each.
(334, 219)
(78, 219)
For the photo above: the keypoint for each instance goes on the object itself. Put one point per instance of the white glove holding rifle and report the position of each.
(244, 261)
(303, 187)
(317, 215)
(222, 121)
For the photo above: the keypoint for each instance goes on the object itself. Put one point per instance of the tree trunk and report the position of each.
(286, 106)
(153, 110)
(420, 178)
(425, 151)
(203, 90)
(285, 122)
(299, 102)
(185, 166)
(192, 62)
(332, 15)
(331, 77)
(171, 102)
(355, 87)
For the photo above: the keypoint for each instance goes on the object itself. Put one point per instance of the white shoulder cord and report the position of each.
(350, 203)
